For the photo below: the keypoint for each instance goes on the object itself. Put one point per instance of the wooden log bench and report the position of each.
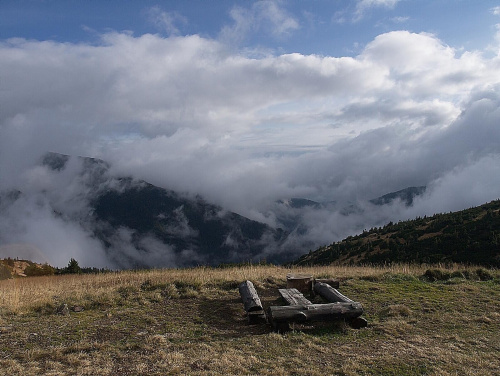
(251, 301)
(329, 281)
(301, 310)
(332, 295)
(314, 312)
(293, 297)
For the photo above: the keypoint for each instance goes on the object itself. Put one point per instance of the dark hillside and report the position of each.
(405, 195)
(182, 223)
(140, 225)
(468, 236)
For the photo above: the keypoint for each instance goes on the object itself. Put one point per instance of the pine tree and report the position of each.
(73, 267)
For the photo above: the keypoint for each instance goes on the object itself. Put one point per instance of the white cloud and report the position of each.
(495, 11)
(31, 220)
(166, 21)
(362, 6)
(420, 64)
(400, 19)
(190, 96)
(339, 17)
(463, 187)
(282, 22)
(266, 15)
(377, 3)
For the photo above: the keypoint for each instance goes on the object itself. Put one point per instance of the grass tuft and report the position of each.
(395, 310)
(433, 275)
(170, 291)
(484, 275)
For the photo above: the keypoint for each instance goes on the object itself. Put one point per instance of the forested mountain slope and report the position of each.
(468, 236)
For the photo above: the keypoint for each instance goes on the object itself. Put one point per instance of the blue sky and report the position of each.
(249, 102)
(325, 27)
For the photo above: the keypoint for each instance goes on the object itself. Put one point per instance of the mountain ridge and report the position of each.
(467, 236)
(140, 225)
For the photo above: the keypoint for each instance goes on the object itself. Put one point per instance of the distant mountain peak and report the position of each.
(405, 195)
(299, 203)
(58, 161)
(55, 161)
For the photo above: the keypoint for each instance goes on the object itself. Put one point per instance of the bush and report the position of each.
(4, 272)
(484, 275)
(34, 270)
(9, 261)
(481, 274)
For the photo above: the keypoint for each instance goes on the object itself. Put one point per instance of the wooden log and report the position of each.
(293, 297)
(301, 282)
(329, 281)
(248, 294)
(330, 294)
(252, 303)
(314, 312)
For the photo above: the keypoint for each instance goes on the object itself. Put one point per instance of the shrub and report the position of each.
(34, 270)
(4, 272)
(9, 261)
(484, 275)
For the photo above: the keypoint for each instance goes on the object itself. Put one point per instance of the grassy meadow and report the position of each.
(192, 322)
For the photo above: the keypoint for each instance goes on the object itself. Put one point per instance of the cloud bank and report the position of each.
(191, 114)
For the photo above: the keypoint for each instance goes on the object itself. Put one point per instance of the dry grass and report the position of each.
(20, 295)
(191, 321)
